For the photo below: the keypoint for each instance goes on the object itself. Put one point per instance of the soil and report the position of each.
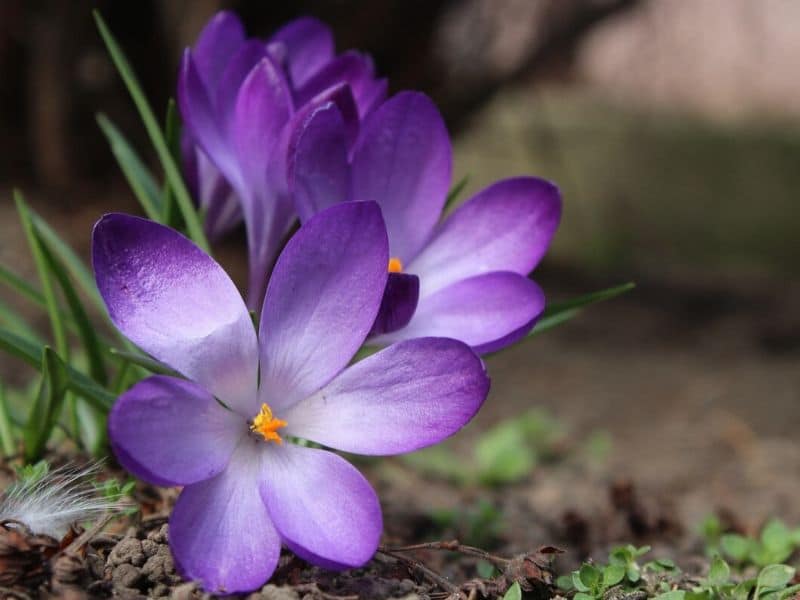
(695, 380)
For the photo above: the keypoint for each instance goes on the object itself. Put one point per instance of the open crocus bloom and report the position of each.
(464, 278)
(226, 432)
(236, 95)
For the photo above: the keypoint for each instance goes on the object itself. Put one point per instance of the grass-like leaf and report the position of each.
(69, 259)
(170, 213)
(86, 330)
(51, 302)
(32, 353)
(136, 173)
(19, 285)
(561, 312)
(7, 437)
(455, 192)
(141, 360)
(47, 405)
(11, 319)
(173, 174)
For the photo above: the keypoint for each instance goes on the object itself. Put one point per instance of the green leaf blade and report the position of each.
(79, 383)
(7, 436)
(86, 330)
(133, 168)
(51, 302)
(173, 175)
(47, 405)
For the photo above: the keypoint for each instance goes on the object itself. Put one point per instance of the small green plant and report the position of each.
(774, 545)
(117, 493)
(480, 524)
(594, 581)
(502, 455)
(513, 593)
(31, 473)
(771, 583)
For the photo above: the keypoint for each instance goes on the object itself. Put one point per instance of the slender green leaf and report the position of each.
(86, 330)
(16, 283)
(92, 428)
(56, 322)
(69, 259)
(7, 437)
(23, 348)
(136, 173)
(182, 197)
(144, 361)
(561, 312)
(79, 383)
(455, 192)
(16, 322)
(591, 298)
(47, 405)
(170, 213)
(550, 321)
(19, 285)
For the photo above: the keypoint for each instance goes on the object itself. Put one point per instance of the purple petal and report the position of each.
(240, 66)
(398, 304)
(319, 173)
(220, 531)
(262, 111)
(487, 312)
(309, 46)
(402, 161)
(176, 303)
(323, 508)
(506, 227)
(213, 192)
(371, 95)
(342, 96)
(352, 68)
(201, 119)
(224, 212)
(263, 108)
(322, 299)
(408, 396)
(218, 42)
(170, 431)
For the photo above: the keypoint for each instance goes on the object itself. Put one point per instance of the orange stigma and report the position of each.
(267, 425)
(395, 265)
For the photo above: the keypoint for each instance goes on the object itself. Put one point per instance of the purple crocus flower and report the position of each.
(466, 277)
(227, 431)
(236, 96)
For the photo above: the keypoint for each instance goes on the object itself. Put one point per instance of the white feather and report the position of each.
(50, 504)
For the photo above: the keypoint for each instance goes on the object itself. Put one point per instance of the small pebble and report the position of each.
(126, 576)
(127, 551)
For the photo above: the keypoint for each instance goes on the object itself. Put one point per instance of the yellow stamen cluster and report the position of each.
(395, 265)
(267, 425)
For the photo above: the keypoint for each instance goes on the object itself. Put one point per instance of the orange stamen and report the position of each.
(395, 265)
(267, 425)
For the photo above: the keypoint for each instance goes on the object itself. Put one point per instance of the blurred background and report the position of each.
(672, 128)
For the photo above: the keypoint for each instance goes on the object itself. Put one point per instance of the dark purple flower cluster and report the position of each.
(276, 131)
